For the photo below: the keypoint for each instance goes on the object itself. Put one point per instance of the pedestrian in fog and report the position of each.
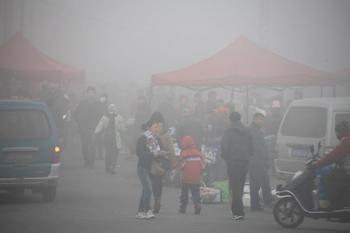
(189, 125)
(211, 102)
(199, 106)
(147, 147)
(162, 162)
(166, 107)
(99, 139)
(112, 127)
(236, 150)
(183, 106)
(192, 166)
(87, 116)
(259, 165)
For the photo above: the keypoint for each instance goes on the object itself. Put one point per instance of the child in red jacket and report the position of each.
(192, 165)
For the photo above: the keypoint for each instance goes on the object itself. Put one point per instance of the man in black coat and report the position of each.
(236, 150)
(87, 115)
(259, 165)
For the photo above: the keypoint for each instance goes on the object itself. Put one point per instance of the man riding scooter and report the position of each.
(337, 182)
(322, 190)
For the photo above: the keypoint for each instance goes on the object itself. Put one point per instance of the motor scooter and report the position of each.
(298, 199)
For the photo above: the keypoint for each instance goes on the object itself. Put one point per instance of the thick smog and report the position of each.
(174, 116)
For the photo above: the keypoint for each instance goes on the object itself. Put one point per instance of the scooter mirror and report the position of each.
(319, 146)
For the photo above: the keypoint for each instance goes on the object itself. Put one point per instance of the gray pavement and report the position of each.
(92, 201)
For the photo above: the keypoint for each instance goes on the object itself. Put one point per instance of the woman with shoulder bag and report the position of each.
(161, 162)
(147, 148)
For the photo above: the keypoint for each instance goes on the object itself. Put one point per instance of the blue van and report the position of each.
(29, 150)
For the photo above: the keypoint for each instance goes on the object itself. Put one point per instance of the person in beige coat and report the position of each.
(111, 125)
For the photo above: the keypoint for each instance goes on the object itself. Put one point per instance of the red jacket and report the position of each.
(191, 162)
(339, 152)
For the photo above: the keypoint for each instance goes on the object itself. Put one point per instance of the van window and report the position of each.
(23, 124)
(305, 122)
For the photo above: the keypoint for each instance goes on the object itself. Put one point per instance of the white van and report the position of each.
(305, 123)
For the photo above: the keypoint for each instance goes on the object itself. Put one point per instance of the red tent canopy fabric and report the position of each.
(19, 57)
(244, 63)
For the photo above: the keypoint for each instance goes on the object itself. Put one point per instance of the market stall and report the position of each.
(24, 65)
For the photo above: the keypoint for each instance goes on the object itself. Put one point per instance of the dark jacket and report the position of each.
(260, 150)
(146, 147)
(143, 153)
(237, 143)
(87, 115)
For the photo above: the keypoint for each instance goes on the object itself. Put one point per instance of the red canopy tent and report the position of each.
(244, 63)
(19, 59)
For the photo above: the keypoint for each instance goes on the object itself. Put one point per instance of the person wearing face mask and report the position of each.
(112, 125)
(259, 165)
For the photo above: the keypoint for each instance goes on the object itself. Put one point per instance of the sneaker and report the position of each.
(149, 215)
(237, 217)
(140, 215)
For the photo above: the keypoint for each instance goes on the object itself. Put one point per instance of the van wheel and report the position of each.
(49, 193)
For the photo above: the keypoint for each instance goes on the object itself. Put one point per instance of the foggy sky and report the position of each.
(130, 39)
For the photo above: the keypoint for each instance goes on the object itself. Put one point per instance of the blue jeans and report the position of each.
(145, 179)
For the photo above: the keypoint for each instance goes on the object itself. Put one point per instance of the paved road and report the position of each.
(91, 201)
